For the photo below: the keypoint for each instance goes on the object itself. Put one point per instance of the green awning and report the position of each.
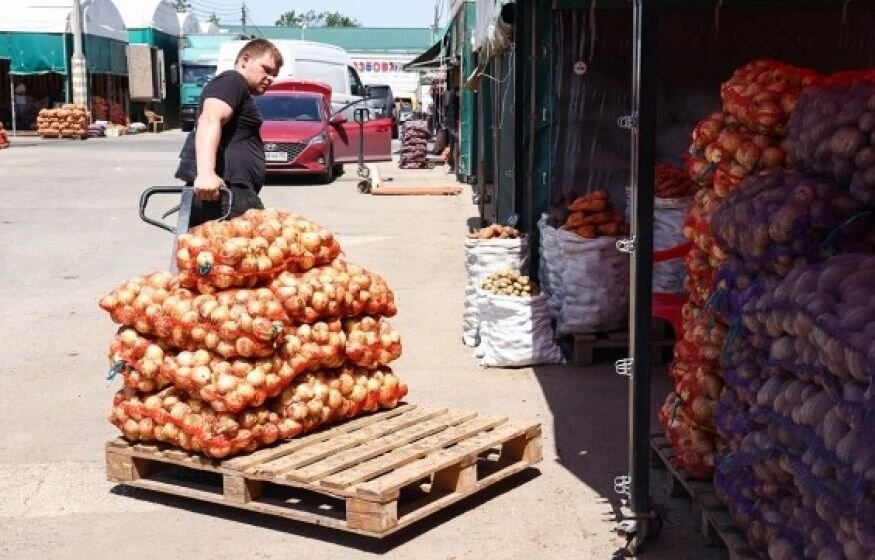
(433, 57)
(35, 53)
(105, 56)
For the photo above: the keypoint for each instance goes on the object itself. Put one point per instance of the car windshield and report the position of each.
(199, 75)
(406, 106)
(380, 91)
(288, 108)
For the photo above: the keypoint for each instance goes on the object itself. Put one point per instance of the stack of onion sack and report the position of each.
(745, 139)
(70, 121)
(208, 365)
(414, 145)
(799, 413)
(99, 108)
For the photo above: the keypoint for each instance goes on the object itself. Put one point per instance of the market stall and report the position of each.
(155, 24)
(37, 40)
(739, 110)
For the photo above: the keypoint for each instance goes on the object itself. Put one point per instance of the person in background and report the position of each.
(22, 107)
(428, 107)
(451, 125)
(225, 148)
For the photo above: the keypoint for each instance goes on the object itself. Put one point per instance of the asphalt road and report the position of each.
(69, 233)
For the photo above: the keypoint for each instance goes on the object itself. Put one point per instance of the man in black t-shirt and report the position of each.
(225, 148)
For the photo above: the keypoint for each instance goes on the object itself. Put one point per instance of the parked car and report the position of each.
(302, 136)
(381, 101)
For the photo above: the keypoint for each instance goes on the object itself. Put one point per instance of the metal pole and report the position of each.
(12, 99)
(643, 160)
(79, 69)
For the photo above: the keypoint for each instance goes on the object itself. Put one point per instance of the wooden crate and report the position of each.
(710, 515)
(371, 476)
(591, 348)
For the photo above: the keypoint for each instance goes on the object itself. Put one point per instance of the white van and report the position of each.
(308, 60)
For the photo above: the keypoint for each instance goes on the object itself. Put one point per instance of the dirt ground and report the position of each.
(69, 232)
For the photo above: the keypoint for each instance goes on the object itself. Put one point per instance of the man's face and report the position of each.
(259, 72)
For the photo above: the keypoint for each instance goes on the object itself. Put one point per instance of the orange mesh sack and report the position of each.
(371, 342)
(313, 400)
(234, 323)
(138, 359)
(763, 94)
(333, 291)
(226, 384)
(722, 154)
(251, 250)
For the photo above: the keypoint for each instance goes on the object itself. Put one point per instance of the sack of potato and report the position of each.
(4, 139)
(516, 327)
(70, 121)
(488, 250)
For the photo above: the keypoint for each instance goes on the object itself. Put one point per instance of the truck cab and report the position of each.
(197, 67)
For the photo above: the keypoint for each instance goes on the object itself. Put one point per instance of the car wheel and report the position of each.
(328, 177)
(338, 169)
(187, 127)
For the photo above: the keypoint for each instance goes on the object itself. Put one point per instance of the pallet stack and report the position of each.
(264, 334)
(70, 121)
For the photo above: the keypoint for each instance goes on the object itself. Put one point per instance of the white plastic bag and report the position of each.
(516, 332)
(595, 284)
(668, 232)
(482, 258)
(550, 267)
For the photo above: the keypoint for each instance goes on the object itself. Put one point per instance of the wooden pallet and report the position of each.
(372, 475)
(710, 515)
(588, 349)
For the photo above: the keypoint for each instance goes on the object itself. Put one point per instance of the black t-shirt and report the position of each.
(240, 159)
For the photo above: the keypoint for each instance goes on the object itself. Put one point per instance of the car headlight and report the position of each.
(320, 138)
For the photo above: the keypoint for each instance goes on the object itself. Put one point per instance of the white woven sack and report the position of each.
(516, 332)
(482, 258)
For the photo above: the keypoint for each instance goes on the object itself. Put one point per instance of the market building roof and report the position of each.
(159, 15)
(400, 40)
(188, 23)
(99, 17)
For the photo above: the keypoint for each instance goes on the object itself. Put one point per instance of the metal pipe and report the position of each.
(12, 99)
(530, 219)
(76, 24)
(643, 160)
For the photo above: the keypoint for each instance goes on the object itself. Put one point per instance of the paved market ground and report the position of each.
(69, 232)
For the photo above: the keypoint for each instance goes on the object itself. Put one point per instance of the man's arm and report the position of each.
(215, 114)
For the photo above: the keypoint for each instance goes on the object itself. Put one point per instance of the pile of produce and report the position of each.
(509, 283)
(70, 121)
(763, 94)
(414, 145)
(724, 152)
(487, 251)
(832, 135)
(220, 369)
(728, 151)
(109, 111)
(495, 231)
(593, 215)
(673, 182)
(798, 412)
(4, 139)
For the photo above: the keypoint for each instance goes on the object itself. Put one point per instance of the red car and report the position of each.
(302, 136)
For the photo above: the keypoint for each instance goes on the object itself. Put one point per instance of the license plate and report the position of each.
(276, 156)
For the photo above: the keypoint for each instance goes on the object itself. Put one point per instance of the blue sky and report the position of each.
(371, 13)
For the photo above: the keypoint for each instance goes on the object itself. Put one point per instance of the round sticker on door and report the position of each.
(580, 68)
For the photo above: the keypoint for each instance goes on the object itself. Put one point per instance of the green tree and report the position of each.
(313, 19)
(289, 19)
(336, 19)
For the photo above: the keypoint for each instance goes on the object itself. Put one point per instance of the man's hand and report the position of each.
(207, 185)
